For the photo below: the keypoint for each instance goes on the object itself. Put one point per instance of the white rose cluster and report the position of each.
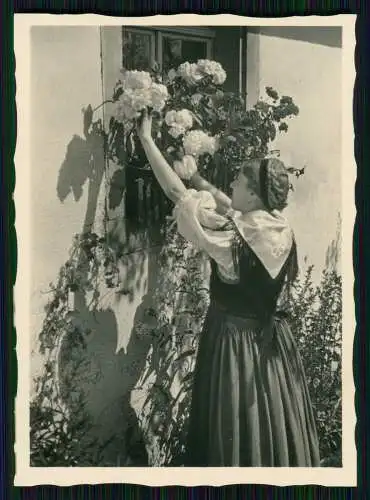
(136, 80)
(159, 94)
(214, 69)
(190, 73)
(197, 143)
(186, 167)
(193, 73)
(178, 122)
(139, 92)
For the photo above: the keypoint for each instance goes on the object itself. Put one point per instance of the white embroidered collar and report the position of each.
(269, 236)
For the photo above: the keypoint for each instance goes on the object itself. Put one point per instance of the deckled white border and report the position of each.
(29, 476)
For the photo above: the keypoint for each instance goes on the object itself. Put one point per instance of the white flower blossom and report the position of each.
(195, 99)
(139, 92)
(141, 99)
(193, 73)
(170, 117)
(213, 69)
(176, 130)
(190, 73)
(186, 167)
(179, 122)
(159, 96)
(172, 74)
(213, 144)
(136, 79)
(182, 119)
(197, 142)
(131, 103)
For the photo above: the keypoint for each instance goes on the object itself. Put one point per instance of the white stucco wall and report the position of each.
(312, 75)
(65, 76)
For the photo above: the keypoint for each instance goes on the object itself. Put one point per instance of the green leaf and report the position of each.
(118, 91)
(272, 93)
(117, 188)
(185, 354)
(87, 119)
(242, 139)
(188, 377)
(197, 118)
(283, 127)
(291, 170)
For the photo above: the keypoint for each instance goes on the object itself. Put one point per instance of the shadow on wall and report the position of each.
(105, 378)
(75, 169)
(105, 381)
(84, 161)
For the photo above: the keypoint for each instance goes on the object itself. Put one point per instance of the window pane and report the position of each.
(136, 50)
(177, 51)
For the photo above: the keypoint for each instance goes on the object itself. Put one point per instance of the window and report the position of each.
(138, 49)
(169, 47)
(174, 49)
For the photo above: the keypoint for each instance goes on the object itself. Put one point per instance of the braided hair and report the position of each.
(269, 178)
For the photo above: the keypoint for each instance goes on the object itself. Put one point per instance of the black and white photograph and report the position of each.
(184, 298)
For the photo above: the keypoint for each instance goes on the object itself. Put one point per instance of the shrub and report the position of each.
(316, 319)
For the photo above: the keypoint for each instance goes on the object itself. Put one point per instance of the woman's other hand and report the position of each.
(144, 126)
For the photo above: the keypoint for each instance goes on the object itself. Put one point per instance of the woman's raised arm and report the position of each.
(170, 182)
(222, 200)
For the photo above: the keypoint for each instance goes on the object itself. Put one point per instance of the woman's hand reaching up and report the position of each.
(144, 126)
(171, 184)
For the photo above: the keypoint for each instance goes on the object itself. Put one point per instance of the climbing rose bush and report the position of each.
(178, 122)
(136, 92)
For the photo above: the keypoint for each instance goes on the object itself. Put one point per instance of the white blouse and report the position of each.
(267, 234)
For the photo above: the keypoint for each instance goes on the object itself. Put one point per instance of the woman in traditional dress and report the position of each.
(250, 402)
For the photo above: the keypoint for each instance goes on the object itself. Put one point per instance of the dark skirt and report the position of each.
(250, 405)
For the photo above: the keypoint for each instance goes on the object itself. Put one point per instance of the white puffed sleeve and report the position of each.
(198, 222)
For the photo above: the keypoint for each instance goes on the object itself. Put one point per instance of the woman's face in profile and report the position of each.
(242, 194)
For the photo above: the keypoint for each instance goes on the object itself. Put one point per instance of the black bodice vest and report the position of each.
(256, 294)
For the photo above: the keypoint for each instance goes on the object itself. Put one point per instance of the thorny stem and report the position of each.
(102, 104)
